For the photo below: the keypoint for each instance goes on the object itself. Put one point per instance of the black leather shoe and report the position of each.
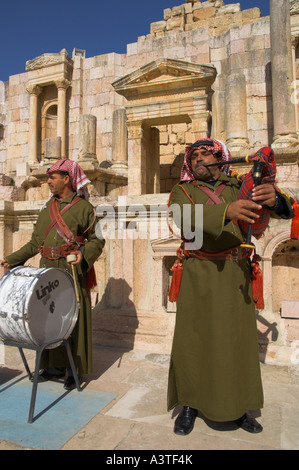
(249, 424)
(70, 384)
(48, 374)
(185, 421)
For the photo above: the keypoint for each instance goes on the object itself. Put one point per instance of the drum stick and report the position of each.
(70, 259)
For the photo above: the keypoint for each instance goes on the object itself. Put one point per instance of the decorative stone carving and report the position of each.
(46, 60)
(34, 90)
(294, 7)
(62, 83)
(163, 75)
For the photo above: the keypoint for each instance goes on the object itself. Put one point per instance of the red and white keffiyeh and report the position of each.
(213, 145)
(77, 176)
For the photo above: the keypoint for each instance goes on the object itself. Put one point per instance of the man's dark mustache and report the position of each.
(200, 164)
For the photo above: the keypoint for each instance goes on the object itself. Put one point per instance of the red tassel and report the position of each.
(91, 278)
(295, 222)
(177, 270)
(257, 283)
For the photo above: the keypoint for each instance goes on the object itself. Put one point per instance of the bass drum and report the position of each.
(37, 305)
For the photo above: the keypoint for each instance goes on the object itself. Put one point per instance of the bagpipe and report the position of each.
(262, 172)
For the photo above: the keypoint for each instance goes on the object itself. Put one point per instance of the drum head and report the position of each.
(51, 309)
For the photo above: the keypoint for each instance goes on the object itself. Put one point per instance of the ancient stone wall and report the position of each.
(205, 69)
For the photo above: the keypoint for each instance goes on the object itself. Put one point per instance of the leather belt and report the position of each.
(234, 254)
(62, 251)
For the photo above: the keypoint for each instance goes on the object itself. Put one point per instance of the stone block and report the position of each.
(255, 43)
(220, 21)
(218, 54)
(197, 6)
(290, 309)
(188, 8)
(164, 138)
(225, 9)
(22, 169)
(204, 13)
(237, 47)
(167, 14)
(132, 48)
(175, 22)
(177, 11)
(292, 330)
(158, 26)
(251, 14)
(167, 150)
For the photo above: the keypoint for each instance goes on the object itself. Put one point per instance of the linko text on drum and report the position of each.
(40, 293)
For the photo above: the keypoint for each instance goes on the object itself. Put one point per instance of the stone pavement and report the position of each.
(138, 420)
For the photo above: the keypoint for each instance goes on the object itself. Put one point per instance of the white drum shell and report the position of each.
(37, 305)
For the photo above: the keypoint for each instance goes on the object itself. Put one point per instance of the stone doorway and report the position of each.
(48, 125)
(285, 273)
(162, 93)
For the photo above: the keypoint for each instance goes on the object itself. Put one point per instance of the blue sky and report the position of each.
(33, 27)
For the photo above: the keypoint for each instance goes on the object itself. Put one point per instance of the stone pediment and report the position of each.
(49, 59)
(48, 68)
(165, 76)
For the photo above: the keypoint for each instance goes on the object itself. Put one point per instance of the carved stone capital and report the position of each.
(34, 90)
(135, 129)
(294, 7)
(294, 40)
(62, 83)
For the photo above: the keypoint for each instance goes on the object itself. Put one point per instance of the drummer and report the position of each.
(67, 181)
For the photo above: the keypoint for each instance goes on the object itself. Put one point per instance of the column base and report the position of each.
(119, 166)
(281, 141)
(286, 147)
(88, 162)
(238, 147)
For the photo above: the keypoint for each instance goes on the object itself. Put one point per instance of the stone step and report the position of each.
(146, 330)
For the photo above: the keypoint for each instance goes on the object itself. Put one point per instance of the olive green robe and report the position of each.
(215, 359)
(78, 218)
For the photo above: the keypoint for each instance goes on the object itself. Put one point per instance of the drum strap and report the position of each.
(55, 211)
(58, 221)
(71, 239)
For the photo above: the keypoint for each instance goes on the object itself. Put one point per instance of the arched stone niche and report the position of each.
(281, 271)
(46, 73)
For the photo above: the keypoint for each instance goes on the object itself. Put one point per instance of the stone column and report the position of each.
(153, 161)
(34, 91)
(136, 159)
(119, 140)
(87, 136)
(295, 94)
(62, 86)
(236, 114)
(6, 231)
(282, 76)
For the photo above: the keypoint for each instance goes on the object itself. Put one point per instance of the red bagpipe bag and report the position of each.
(295, 221)
(266, 155)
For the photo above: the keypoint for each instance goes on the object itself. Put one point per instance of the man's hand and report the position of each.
(264, 194)
(243, 209)
(79, 257)
(4, 264)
